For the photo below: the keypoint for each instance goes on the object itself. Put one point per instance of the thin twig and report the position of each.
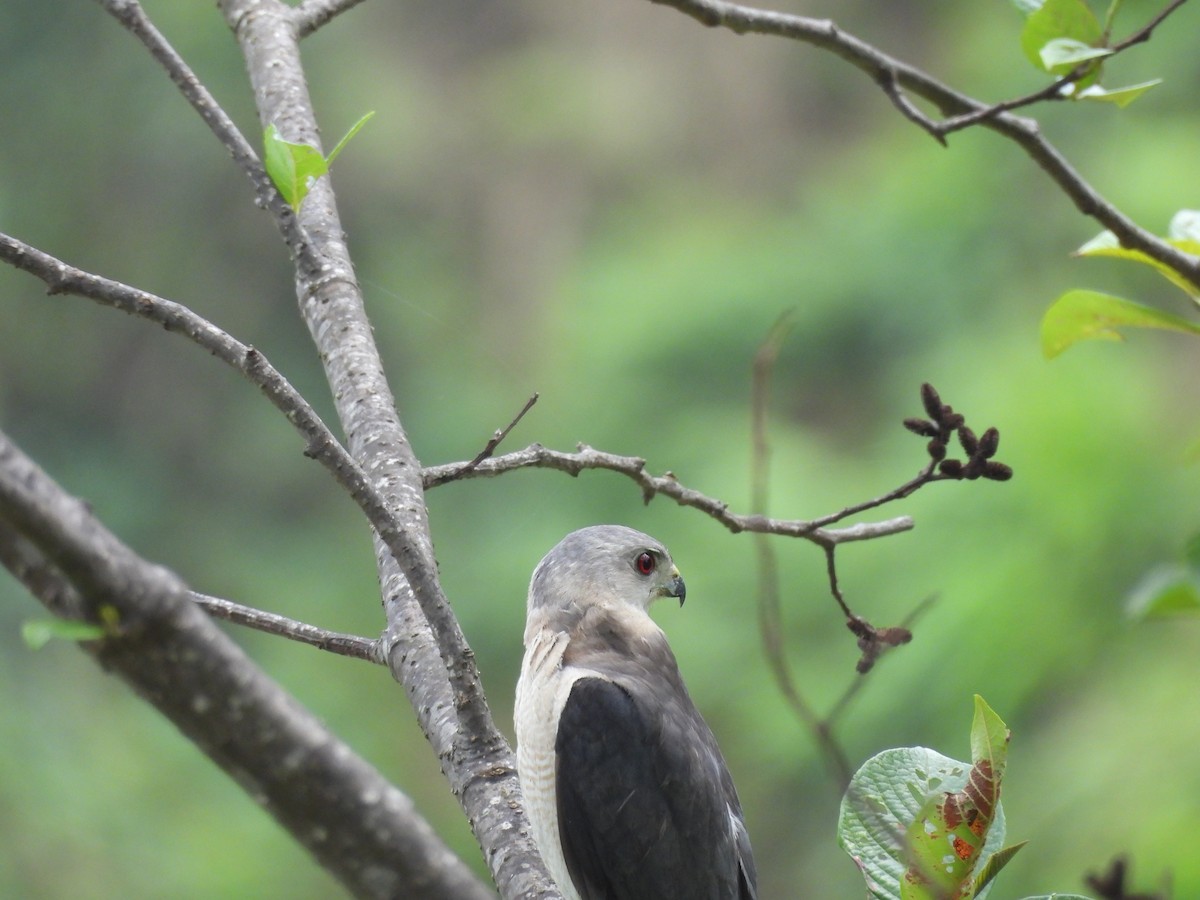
(312, 14)
(1144, 33)
(770, 606)
(883, 69)
(1053, 91)
(131, 15)
(320, 443)
(500, 435)
(891, 87)
(538, 457)
(271, 623)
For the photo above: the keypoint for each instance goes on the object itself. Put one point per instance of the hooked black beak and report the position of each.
(676, 588)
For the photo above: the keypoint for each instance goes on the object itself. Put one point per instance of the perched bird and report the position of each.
(626, 790)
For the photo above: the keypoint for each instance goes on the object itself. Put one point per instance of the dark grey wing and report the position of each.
(644, 798)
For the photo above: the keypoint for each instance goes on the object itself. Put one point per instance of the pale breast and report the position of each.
(541, 693)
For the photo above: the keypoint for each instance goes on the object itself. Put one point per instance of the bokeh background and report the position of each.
(610, 204)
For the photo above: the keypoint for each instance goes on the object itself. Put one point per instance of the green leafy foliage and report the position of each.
(1062, 35)
(1061, 55)
(1105, 244)
(1081, 315)
(922, 826)
(1163, 592)
(1065, 24)
(1169, 590)
(294, 167)
(37, 633)
(1120, 97)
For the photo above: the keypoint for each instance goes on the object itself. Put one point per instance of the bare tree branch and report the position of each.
(131, 15)
(770, 605)
(272, 623)
(320, 443)
(633, 467)
(889, 72)
(1147, 31)
(312, 14)
(502, 433)
(356, 824)
(424, 645)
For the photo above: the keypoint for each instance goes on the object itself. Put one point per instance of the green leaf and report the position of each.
(37, 633)
(989, 738)
(1058, 897)
(947, 837)
(1164, 591)
(1064, 54)
(354, 129)
(1122, 97)
(1027, 7)
(1058, 20)
(1106, 244)
(292, 167)
(996, 862)
(1081, 315)
(885, 797)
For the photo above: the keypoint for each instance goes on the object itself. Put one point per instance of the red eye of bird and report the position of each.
(645, 563)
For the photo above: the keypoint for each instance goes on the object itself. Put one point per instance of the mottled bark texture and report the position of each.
(356, 824)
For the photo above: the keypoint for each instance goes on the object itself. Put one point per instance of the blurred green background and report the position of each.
(610, 204)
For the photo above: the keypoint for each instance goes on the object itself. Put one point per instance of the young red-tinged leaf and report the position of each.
(922, 826)
(946, 838)
(989, 740)
(1090, 315)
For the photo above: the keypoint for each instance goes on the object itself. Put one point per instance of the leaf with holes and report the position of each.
(946, 838)
(898, 794)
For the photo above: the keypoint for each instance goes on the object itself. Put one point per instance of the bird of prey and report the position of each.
(626, 790)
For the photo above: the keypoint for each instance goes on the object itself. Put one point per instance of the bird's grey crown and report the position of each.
(596, 564)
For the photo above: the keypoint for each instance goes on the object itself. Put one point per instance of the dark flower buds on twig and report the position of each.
(943, 423)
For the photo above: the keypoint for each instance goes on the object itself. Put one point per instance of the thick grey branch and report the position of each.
(887, 71)
(320, 443)
(356, 824)
(425, 648)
